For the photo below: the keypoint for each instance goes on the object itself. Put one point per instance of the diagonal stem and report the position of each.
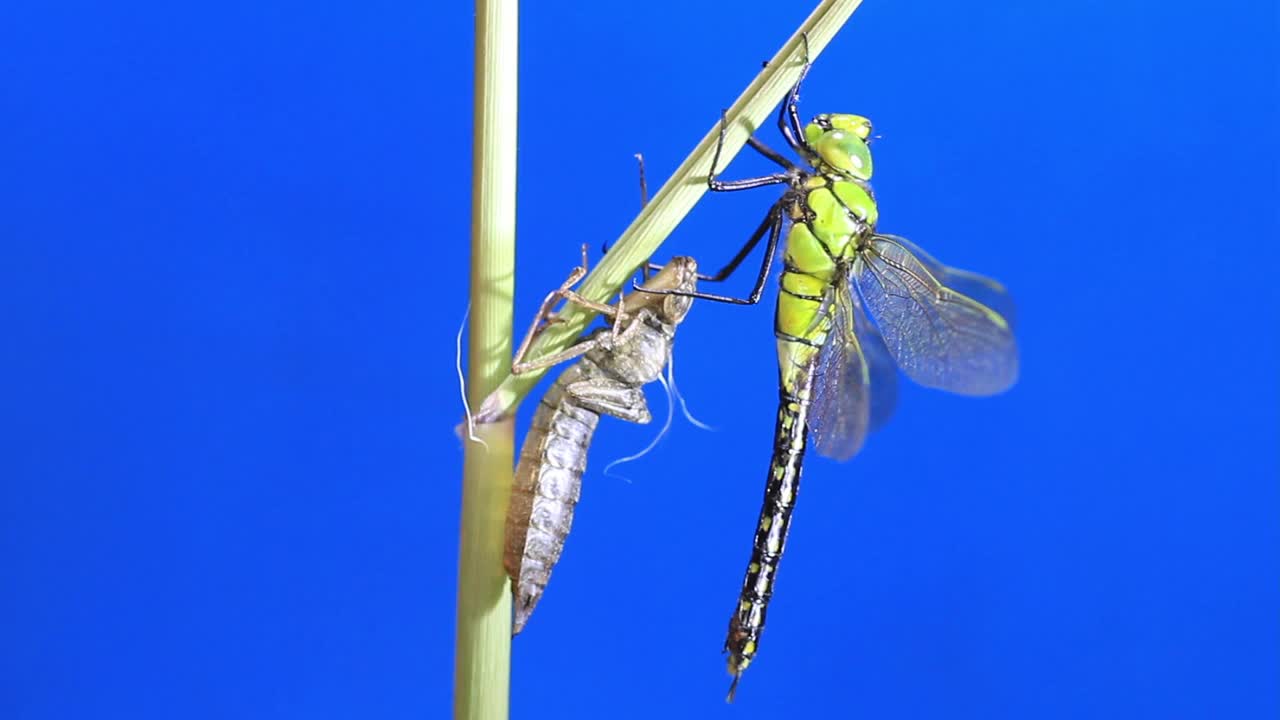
(677, 196)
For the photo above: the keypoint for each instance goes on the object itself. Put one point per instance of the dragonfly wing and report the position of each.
(881, 368)
(840, 413)
(940, 337)
(988, 291)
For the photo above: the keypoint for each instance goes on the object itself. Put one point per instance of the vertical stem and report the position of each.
(482, 666)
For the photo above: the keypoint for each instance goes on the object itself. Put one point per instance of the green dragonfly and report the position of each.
(853, 304)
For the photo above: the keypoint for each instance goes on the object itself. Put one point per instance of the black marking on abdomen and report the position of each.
(790, 437)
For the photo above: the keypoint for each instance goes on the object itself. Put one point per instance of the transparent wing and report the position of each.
(881, 367)
(985, 290)
(938, 336)
(840, 413)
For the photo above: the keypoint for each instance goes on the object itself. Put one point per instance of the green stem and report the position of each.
(482, 668)
(677, 196)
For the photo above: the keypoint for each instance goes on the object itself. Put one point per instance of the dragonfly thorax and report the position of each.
(836, 213)
(839, 142)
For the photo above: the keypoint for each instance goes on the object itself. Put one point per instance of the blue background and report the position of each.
(235, 258)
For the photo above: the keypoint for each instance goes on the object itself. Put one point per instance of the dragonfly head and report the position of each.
(840, 142)
(680, 273)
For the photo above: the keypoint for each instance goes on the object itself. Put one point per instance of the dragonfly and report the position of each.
(854, 306)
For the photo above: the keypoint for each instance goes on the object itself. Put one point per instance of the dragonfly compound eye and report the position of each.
(856, 124)
(844, 152)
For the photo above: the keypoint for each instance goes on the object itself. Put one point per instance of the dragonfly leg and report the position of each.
(716, 185)
(771, 220)
(644, 185)
(789, 112)
(770, 153)
(773, 226)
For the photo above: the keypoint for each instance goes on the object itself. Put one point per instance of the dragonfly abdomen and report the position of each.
(801, 321)
(783, 484)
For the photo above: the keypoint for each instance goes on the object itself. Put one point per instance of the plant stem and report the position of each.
(482, 663)
(677, 196)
